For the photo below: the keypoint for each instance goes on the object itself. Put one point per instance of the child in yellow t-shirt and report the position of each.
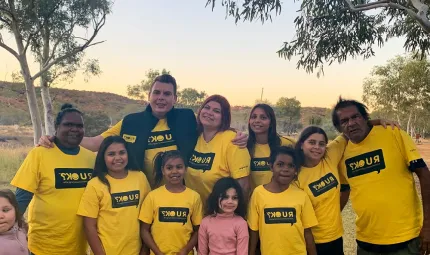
(111, 201)
(171, 214)
(282, 208)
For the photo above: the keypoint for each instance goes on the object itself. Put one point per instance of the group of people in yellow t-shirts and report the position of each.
(166, 182)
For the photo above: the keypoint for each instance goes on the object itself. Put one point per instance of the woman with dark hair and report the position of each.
(215, 156)
(57, 177)
(319, 178)
(112, 199)
(263, 138)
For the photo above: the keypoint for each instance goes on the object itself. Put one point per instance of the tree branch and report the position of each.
(421, 16)
(98, 25)
(9, 49)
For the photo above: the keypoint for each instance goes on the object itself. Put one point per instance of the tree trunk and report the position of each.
(408, 127)
(29, 83)
(44, 85)
(31, 100)
(47, 106)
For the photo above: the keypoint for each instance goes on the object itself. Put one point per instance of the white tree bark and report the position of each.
(48, 109)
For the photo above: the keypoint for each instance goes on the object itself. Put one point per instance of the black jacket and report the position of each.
(182, 124)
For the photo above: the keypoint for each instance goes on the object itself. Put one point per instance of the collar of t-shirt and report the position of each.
(68, 151)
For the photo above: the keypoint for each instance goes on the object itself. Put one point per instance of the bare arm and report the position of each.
(253, 240)
(240, 140)
(191, 243)
(90, 227)
(148, 240)
(92, 143)
(344, 196)
(245, 185)
(424, 177)
(310, 243)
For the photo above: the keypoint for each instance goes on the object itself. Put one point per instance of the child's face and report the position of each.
(116, 157)
(230, 202)
(7, 215)
(174, 171)
(283, 169)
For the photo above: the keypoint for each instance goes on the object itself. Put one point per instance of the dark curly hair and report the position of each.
(219, 191)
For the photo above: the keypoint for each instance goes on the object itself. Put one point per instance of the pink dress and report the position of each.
(223, 235)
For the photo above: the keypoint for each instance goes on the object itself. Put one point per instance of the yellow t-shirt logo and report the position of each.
(69, 178)
(173, 214)
(129, 138)
(365, 163)
(124, 199)
(280, 215)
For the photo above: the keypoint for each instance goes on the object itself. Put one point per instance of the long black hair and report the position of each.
(220, 191)
(273, 136)
(160, 161)
(303, 136)
(100, 168)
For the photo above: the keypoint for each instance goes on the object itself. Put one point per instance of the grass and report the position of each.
(13, 153)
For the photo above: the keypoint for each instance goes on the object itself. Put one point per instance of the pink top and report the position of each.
(14, 242)
(223, 235)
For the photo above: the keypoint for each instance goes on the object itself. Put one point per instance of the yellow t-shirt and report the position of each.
(116, 212)
(172, 217)
(57, 181)
(383, 192)
(159, 140)
(281, 219)
(260, 169)
(322, 185)
(214, 160)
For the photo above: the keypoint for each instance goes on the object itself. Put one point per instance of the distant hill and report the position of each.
(14, 108)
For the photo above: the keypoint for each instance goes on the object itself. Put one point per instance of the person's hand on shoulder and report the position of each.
(240, 140)
(46, 141)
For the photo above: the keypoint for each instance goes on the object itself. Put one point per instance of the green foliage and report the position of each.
(400, 90)
(289, 108)
(191, 97)
(96, 123)
(330, 31)
(141, 91)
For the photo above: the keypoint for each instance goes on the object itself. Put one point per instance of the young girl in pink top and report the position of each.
(224, 231)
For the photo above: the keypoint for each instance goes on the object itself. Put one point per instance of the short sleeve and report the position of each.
(336, 148)
(287, 141)
(115, 130)
(146, 188)
(90, 202)
(146, 214)
(407, 146)
(253, 215)
(308, 214)
(238, 161)
(28, 176)
(197, 216)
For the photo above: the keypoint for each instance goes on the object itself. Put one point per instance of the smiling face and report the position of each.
(174, 171)
(210, 115)
(314, 147)
(283, 169)
(353, 124)
(229, 203)
(70, 131)
(162, 98)
(7, 215)
(259, 121)
(116, 158)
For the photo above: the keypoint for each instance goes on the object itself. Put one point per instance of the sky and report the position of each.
(206, 51)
